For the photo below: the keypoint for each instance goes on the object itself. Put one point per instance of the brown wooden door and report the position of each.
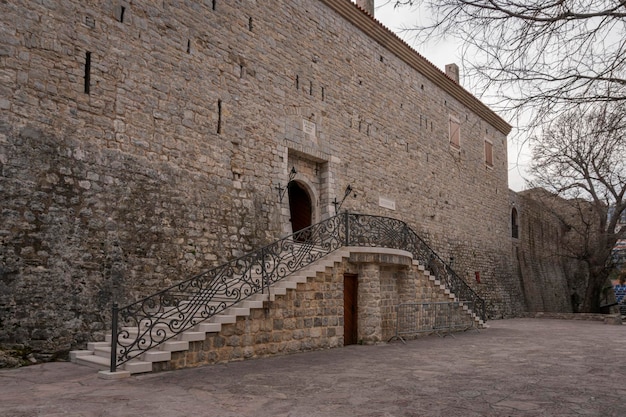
(350, 328)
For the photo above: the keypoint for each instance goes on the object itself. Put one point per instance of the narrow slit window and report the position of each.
(214, 4)
(250, 25)
(122, 11)
(87, 72)
(219, 117)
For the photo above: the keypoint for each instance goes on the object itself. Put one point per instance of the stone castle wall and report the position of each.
(551, 280)
(142, 143)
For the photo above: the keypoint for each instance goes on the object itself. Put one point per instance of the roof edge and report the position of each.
(389, 40)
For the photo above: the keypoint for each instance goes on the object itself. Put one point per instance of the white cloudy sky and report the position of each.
(440, 54)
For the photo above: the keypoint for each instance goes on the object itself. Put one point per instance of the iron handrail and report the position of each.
(151, 321)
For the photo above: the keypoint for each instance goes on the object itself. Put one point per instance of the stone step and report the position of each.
(258, 297)
(74, 354)
(299, 279)
(207, 327)
(104, 364)
(91, 346)
(102, 354)
(191, 336)
(277, 291)
(223, 319)
(286, 284)
(237, 311)
(137, 367)
(175, 345)
(93, 361)
(252, 304)
(157, 356)
(103, 351)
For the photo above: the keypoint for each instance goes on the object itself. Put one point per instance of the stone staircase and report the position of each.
(97, 354)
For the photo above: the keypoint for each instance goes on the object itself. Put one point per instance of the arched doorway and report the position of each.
(300, 206)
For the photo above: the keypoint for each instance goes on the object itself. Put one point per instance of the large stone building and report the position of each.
(143, 142)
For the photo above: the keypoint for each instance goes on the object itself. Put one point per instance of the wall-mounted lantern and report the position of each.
(345, 195)
(281, 190)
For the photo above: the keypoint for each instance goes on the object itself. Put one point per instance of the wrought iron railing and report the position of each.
(147, 323)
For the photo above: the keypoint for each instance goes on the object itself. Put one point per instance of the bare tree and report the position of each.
(535, 55)
(581, 156)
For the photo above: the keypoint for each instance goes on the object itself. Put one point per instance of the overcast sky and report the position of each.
(440, 54)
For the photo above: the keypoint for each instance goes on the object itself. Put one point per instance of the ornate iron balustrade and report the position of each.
(366, 230)
(147, 323)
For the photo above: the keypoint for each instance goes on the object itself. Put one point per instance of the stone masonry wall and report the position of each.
(143, 142)
(552, 281)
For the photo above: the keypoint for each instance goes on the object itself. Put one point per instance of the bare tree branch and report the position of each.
(582, 156)
(535, 55)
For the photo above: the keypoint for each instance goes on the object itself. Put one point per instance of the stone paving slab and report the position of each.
(519, 367)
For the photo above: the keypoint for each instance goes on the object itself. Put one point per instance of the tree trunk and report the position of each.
(593, 294)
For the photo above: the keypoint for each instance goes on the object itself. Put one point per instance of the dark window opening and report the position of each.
(122, 10)
(219, 117)
(514, 224)
(87, 72)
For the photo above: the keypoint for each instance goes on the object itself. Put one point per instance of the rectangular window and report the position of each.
(455, 133)
(488, 153)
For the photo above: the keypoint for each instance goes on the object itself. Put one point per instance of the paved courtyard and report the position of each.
(520, 367)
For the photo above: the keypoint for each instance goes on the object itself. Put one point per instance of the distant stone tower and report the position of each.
(367, 5)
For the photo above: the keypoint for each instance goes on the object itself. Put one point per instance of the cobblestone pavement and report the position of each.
(519, 367)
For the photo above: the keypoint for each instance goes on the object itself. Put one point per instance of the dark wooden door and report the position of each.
(350, 317)
(300, 208)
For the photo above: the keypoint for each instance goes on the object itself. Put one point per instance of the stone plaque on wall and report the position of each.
(308, 128)
(387, 203)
